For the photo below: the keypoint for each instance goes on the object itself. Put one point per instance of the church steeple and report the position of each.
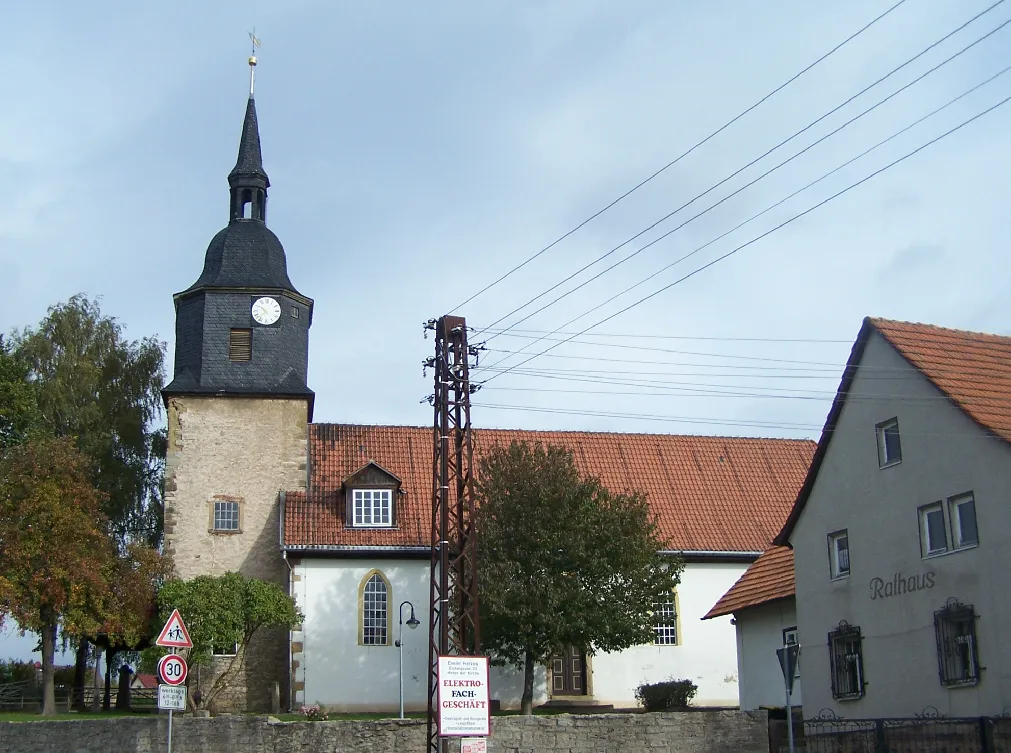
(242, 328)
(248, 180)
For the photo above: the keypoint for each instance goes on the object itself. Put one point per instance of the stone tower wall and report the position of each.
(247, 450)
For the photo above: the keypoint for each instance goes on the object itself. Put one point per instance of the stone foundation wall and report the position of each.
(685, 732)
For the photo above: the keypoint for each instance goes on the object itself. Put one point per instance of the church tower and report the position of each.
(238, 409)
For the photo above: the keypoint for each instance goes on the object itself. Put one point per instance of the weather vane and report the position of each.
(252, 58)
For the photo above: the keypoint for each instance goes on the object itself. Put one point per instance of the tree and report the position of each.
(564, 561)
(221, 612)
(103, 391)
(131, 607)
(19, 407)
(55, 553)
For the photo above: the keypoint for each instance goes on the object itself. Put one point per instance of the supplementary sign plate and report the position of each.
(464, 710)
(171, 698)
(174, 634)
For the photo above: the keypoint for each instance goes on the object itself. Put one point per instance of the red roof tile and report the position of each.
(971, 368)
(147, 681)
(770, 577)
(708, 493)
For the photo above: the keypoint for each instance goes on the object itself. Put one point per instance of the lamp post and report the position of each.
(412, 622)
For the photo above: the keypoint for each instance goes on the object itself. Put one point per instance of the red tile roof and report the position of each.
(708, 493)
(770, 577)
(972, 369)
(146, 681)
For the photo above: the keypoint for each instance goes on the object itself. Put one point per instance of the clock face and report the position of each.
(266, 310)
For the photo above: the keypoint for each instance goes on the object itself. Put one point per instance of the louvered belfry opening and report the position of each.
(240, 345)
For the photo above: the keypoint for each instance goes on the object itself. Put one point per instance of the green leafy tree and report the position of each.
(221, 612)
(19, 406)
(55, 552)
(564, 561)
(102, 390)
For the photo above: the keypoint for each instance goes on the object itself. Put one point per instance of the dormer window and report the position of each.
(372, 508)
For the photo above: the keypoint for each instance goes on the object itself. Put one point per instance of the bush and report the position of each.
(315, 713)
(663, 696)
(16, 671)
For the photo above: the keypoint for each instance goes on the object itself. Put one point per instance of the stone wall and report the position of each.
(685, 732)
(244, 450)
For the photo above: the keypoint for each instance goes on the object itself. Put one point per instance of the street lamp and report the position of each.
(412, 622)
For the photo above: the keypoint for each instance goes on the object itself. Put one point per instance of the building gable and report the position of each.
(970, 371)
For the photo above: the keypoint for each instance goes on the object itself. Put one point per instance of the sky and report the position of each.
(419, 152)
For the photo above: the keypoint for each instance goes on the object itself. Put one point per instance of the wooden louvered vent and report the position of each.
(240, 345)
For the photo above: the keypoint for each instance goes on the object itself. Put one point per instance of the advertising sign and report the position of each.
(473, 745)
(464, 708)
(172, 698)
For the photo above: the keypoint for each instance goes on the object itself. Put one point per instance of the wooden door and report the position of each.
(568, 673)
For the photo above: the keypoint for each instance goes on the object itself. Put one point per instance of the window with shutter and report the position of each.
(240, 345)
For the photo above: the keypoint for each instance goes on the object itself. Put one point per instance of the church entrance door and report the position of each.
(568, 673)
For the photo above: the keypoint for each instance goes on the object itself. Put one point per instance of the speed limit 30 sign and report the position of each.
(172, 669)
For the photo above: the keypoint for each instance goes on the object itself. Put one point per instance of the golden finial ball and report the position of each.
(252, 60)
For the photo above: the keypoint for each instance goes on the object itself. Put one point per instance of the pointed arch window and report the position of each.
(374, 610)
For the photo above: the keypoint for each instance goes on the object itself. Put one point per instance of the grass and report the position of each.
(33, 716)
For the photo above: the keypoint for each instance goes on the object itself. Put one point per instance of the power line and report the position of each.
(738, 227)
(737, 191)
(749, 164)
(544, 334)
(711, 392)
(697, 420)
(772, 230)
(530, 332)
(682, 156)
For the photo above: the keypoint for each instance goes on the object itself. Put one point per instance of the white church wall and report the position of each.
(706, 655)
(343, 675)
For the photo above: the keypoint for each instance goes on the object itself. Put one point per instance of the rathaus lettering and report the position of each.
(900, 584)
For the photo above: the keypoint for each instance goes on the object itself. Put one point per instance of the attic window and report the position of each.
(240, 345)
(372, 508)
(889, 447)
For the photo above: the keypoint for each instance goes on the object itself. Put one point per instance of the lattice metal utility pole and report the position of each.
(454, 624)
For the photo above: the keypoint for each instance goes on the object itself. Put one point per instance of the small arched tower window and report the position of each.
(374, 610)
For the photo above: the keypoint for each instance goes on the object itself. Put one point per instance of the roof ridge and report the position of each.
(879, 322)
(583, 432)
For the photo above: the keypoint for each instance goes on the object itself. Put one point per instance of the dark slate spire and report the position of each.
(248, 170)
(248, 180)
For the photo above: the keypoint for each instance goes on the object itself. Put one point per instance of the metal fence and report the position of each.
(922, 734)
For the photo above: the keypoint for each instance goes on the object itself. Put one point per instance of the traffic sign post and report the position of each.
(172, 669)
(788, 656)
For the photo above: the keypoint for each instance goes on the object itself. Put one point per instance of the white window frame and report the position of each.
(954, 503)
(880, 432)
(835, 565)
(366, 503)
(375, 595)
(227, 506)
(235, 650)
(665, 623)
(923, 514)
